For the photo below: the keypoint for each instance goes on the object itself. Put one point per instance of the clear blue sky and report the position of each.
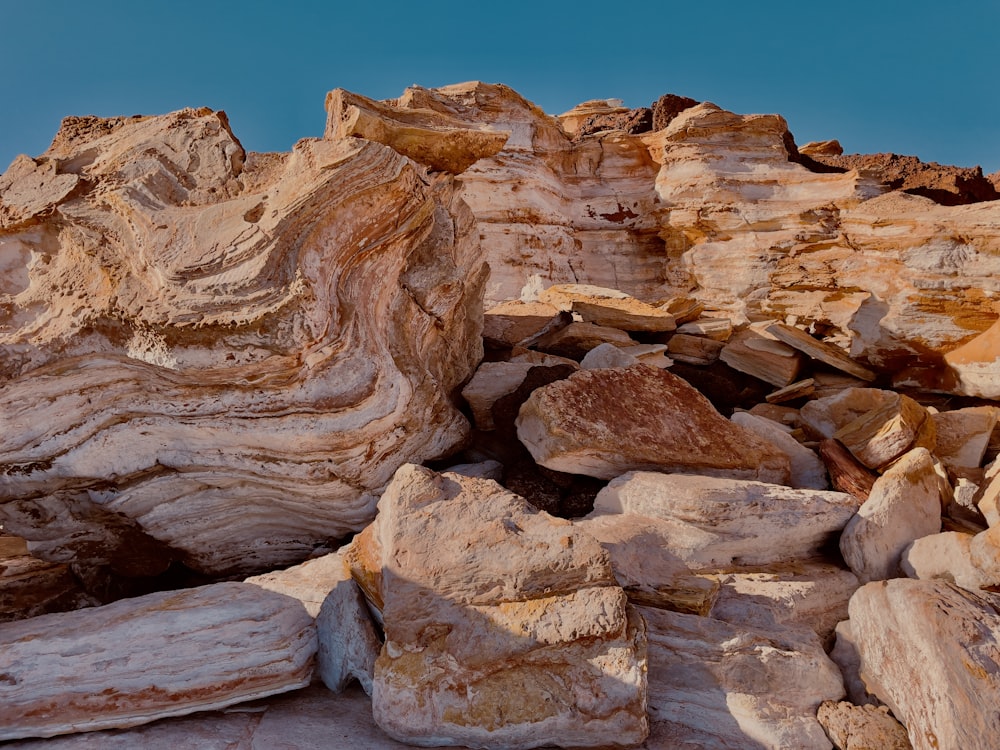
(910, 76)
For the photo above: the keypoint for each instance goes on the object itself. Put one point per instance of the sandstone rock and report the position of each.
(684, 309)
(946, 556)
(808, 471)
(811, 595)
(819, 350)
(845, 655)
(904, 505)
(847, 474)
(518, 638)
(769, 360)
(645, 566)
(653, 355)
(852, 727)
(563, 296)
(603, 423)
(963, 435)
(631, 121)
(30, 587)
(164, 654)
(572, 120)
(717, 329)
(492, 381)
(427, 136)
(929, 651)
(822, 148)
(717, 685)
(792, 391)
(989, 500)
(576, 339)
(984, 554)
(192, 368)
(667, 107)
(976, 363)
(607, 356)
(712, 523)
(513, 323)
(695, 350)
(625, 314)
(347, 644)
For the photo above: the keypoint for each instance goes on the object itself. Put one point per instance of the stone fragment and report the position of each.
(644, 565)
(819, 350)
(232, 391)
(976, 364)
(607, 356)
(602, 423)
(785, 416)
(512, 323)
(30, 587)
(576, 339)
(626, 314)
(347, 644)
(766, 359)
(717, 329)
(492, 381)
(429, 137)
(684, 309)
(712, 523)
(830, 147)
(963, 435)
(667, 107)
(796, 390)
(653, 355)
(852, 727)
(488, 469)
(562, 296)
(163, 654)
(847, 474)
(931, 652)
(811, 595)
(574, 119)
(904, 505)
(984, 554)
(831, 383)
(807, 470)
(989, 500)
(695, 350)
(947, 556)
(518, 637)
(716, 685)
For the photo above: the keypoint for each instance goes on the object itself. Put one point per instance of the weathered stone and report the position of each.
(517, 638)
(963, 435)
(164, 654)
(513, 323)
(852, 727)
(717, 329)
(695, 350)
(653, 355)
(30, 587)
(576, 339)
(812, 595)
(492, 381)
(220, 359)
(712, 523)
(847, 474)
(946, 556)
(830, 147)
(904, 505)
(929, 650)
(603, 423)
(717, 685)
(347, 644)
(793, 391)
(605, 356)
(667, 107)
(845, 655)
(575, 118)
(767, 359)
(626, 314)
(819, 350)
(644, 565)
(562, 296)
(808, 471)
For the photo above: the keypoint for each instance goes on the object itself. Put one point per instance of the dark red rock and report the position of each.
(633, 122)
(667, 107)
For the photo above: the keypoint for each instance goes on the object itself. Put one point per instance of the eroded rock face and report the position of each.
(603, 423)
(220, 359)
(516, 636)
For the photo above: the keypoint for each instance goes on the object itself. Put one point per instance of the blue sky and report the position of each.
(914, 77)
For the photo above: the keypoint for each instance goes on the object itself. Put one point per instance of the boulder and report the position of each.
(30, 587)
(929, 650)
(513, 323)
(764, 358)
(518, 637)
(946, 556)
(904, 505)
(807, 470)
(218, 358)
(138, 660)
(852, 727)
(626, 314)
(607, 356)
(712, 523)
(602, 423)
(577, 339)
(963, 436)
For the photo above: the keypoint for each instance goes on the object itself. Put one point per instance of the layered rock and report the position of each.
(138, 660)
(602, 423)
(516, 637)
(219, 358)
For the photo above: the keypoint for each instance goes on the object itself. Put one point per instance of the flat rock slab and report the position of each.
(853, 727)
(713, 523)
(820, 350)
(603, 423)
(138, 660)
(931, 652)
(504, 626)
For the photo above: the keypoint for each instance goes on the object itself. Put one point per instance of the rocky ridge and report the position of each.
(708, 426)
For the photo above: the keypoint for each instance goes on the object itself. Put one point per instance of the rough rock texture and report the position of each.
(516, 637)
(976, 364)
(31, 587)
(138, 660)
(710, 523)
(948, 556)
(602, 423)
(931, 652)
(807, 470)
(905, 504)
(852, 727)
(714, 685)
(219, 358)
(963, 435)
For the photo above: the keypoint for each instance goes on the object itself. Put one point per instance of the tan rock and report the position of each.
(603, 423)
(845, 655)
(769, 360)
(576, 339)
(606, 356)
(138, 660)
(807, 470)
(492, 381)
(792, 392)
(518, 638)
(712, 523)
(963, 435)
(929, 652)
(984, 554)
(653, 355)
(717, 685)
(430, 137)
(852, 727)
(717, 329)
(695, 350)
(847, 474)
(644, 565)
(625, 314)
(513, 323)
(822, 148)
(904, 505)
(563, 296)
(820, 350)
(946, 556)
(989, 500)
(193, 370)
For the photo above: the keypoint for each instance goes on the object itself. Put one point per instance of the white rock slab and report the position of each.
(709, 522)
(138, 660)
(808, 471)
(853, 727)
(964, 434)
(717, 685)
(904, 505)
(931, 652)
(946, 556)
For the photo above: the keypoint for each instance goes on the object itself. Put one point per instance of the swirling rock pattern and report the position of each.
(219, 357)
